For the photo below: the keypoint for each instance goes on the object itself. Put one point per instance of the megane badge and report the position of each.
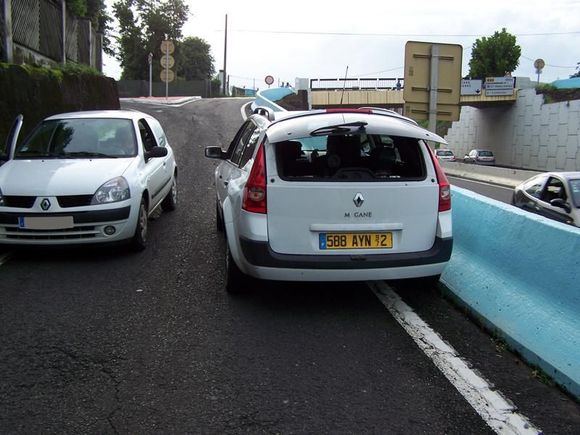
(45, 204)
(358, 199)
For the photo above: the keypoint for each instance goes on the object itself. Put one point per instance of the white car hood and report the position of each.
(53, 177)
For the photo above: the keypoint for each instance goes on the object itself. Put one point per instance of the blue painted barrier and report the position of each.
(520, 274)
(267, 98)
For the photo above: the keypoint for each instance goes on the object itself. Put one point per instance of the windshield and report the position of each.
(79, 138)
(485, 153)
(575, 192)
(350, 157)
(444, 153)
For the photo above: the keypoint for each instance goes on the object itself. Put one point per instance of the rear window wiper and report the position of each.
(348, 127)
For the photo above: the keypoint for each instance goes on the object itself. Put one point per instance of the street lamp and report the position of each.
(150, 59)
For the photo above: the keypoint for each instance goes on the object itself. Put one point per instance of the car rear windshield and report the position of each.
(351, 157)
(80, 138)
(485, 153)
(444, 153)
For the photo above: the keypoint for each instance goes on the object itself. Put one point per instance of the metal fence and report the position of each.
(37, 27)
(390, 83)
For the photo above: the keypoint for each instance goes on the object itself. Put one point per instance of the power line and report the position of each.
(406, 35)
(553, 66)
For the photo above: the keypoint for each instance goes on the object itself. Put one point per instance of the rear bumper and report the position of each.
(259, 254)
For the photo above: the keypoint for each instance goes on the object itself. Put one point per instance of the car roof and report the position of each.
(567, 175)
(106, 114)
(301, 124)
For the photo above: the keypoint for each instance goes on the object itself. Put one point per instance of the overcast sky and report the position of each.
(317, 39)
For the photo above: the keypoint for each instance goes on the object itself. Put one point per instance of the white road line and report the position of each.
(496, 411)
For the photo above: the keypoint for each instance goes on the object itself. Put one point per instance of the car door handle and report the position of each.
(225, 183)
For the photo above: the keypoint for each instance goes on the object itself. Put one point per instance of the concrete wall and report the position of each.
(528, 134)
(519, 272)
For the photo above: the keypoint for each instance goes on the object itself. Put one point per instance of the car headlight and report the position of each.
(114, 190)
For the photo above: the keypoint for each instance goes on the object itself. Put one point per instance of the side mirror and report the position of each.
(559, 202)
(156, 152)
(214, 153)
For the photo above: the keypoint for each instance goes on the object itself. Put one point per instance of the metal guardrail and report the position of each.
(381, 83)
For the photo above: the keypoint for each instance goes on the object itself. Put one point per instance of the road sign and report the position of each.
(269, 80)
(167, 75)
(167, 61)
(418, 75)
(167, 47)
(471, 87)
(499, 86)
(539, 64)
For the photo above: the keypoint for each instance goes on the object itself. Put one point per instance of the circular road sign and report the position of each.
(167, 61)
(539, 63)
(269, 80)
(167, 75)
(167, 47)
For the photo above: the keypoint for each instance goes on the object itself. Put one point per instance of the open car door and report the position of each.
(11, 139)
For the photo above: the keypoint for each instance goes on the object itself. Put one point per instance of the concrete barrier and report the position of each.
(490, 174)
(520, 274)
(267, 98)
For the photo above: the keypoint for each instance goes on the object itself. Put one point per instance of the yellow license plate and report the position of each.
(355, 240)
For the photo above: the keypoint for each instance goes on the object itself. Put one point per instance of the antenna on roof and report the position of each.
(344, 84)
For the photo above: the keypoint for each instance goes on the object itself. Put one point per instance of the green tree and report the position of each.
(494, 56)
(577, 73)
(143, 24)
(194, 61)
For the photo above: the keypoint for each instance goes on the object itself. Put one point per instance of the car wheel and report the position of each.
(235, 279)
(219, 217)
(170, 201)
(139, 241)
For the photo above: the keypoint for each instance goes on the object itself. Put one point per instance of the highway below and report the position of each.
(105, 341)
(499, 193)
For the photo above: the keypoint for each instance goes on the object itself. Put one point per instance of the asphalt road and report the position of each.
(500, 193)
(107, 341)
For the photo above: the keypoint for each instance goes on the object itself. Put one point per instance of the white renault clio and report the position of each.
(85, 178)
(332, 195)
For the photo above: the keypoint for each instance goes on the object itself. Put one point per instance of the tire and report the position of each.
(219, 218)
(235, 281)
(139, 241)
(169, 203)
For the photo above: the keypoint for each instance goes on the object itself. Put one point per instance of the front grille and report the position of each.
(84, 232)
(74, 200)
(19, 201)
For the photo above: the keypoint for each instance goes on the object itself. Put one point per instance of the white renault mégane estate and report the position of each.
(332, 195)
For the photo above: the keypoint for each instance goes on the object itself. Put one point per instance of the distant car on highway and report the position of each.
(85, 178)
(445, 154)
(479, 157)
(555, 195)
(331, 195)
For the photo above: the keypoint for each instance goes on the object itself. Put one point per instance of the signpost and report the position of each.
(432, 81)
(269, 80)
(499, 86)
(471, 87)
(150, 60)
(539, 64)
(167, 61)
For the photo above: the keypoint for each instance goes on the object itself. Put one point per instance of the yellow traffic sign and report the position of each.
(167, 75)
(167, 61)
(417, 72)
(167, 47)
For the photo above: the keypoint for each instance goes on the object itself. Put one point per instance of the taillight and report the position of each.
(255, 190)
(444, 187)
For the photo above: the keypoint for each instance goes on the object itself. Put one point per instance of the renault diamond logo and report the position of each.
(45, 204)
(358, 199)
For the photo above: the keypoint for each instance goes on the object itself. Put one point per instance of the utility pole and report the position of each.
(225, 56)
(150, 59)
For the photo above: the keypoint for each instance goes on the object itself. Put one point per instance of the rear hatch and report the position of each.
(351, 191)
